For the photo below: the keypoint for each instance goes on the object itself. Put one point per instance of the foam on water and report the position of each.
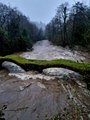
(44, 50)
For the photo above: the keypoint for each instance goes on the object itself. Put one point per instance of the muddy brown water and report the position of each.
(41, 99)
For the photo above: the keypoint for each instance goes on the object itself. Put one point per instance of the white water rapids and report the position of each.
(44, 50)
(41, 96)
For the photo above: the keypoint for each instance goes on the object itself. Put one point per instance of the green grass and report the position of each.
(39, 65)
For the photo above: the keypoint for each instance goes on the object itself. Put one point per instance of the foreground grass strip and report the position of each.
(39, 65)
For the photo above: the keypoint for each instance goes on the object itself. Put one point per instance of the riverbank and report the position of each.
(39, 65)
(45, 89)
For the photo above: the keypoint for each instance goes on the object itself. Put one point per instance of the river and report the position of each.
(44, 50)
(35, 96)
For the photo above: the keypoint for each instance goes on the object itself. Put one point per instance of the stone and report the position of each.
(61, 73)
(12, 67)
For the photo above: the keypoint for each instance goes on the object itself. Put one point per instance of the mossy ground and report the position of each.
(39, 65)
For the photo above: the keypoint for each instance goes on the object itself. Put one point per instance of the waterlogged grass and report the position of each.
(39, 65)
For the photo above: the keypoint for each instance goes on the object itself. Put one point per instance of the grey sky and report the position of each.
(38, 10)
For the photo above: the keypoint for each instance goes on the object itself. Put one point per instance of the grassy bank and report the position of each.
(39, 65)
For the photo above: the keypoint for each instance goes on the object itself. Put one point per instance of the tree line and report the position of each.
(70, 26)
(17, 32)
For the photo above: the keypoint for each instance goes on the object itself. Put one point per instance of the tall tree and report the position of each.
(63, 12)
(18, 28)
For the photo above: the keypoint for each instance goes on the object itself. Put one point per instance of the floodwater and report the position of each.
(44, 50)
(35, 96)
(35, 99)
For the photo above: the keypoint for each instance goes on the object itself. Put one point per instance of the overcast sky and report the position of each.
(38, 10)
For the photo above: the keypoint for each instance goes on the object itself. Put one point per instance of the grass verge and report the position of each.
(39, 65)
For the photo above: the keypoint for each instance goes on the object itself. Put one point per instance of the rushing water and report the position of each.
(44, 50)
(34, 96)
